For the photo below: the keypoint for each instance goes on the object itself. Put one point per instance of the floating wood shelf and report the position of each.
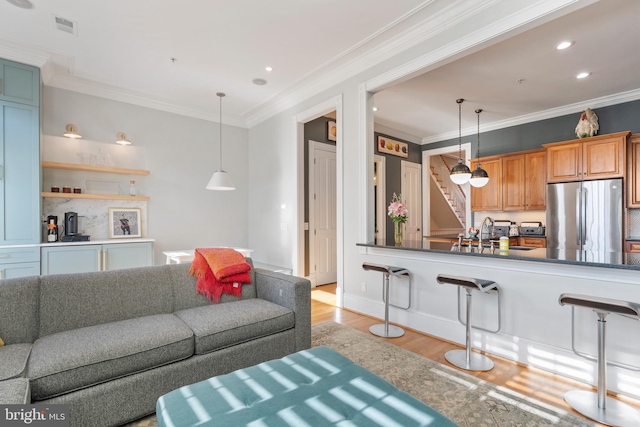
(94, 196)
(91, 168)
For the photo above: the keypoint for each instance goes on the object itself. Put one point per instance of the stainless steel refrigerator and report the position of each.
(585, 215)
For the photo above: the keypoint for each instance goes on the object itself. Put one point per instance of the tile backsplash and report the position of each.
(633, 223)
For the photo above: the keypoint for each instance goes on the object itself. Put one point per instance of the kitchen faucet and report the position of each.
(486, 218)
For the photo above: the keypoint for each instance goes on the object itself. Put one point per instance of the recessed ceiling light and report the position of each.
(564, 45)
(24, 4)
(375, 108)
(259, 82)
(268, 68)
(583, 75)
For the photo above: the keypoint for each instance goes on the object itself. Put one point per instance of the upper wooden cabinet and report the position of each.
(524, 181)
(598, 157)
(633, 177)
(516, 182)
(489, 197)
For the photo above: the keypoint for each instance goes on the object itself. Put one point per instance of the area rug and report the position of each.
(467, 400)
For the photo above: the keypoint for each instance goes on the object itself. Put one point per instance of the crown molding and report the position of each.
(577, 107)
(22, 53)
(103, 90)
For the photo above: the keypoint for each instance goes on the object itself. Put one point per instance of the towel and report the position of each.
(219, 270)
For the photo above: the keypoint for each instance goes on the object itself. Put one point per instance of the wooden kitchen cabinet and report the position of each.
(534, 242)
(524, 182)
(632, 247)
(633, 172)
(598, 157)
(489, 197)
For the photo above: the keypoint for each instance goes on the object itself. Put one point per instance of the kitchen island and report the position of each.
(536, 330)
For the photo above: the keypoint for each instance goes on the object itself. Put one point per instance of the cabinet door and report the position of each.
(19, 83)
(535, 183)
(489, 197)
(513, 185)
(19, 174)
(21, 269)
(633, 181)
(604, 159)
(70, 259)
(127, 255)
(564, 162)
(535, 242)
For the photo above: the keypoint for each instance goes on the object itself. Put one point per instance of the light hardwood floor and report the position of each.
(531, 382)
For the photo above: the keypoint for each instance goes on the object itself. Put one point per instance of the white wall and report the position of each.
(180, 152)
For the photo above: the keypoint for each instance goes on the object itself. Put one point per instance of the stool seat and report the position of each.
(468, 282)
(598, 406)
(466, 359)
(385, 330)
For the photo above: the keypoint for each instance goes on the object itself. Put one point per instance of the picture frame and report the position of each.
(332, 131)
(391, 146)
(124, 223)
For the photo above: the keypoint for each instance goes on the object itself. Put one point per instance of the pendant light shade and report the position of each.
(479, 177)
(72, 132)
(460, 173)
(220, 180)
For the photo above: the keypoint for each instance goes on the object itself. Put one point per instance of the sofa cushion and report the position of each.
(71, 301)
(14, 360)
(15, 392)
(216, 326)
(19, 309)
(80, 358)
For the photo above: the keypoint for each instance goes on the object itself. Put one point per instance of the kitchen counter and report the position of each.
(619, 260)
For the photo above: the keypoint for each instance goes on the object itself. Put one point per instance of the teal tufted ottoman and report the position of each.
(316, 387)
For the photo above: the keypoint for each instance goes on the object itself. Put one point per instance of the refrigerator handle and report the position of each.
(583, 215)
(579, 217)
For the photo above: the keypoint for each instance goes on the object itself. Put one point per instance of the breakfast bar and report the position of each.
(536, 330)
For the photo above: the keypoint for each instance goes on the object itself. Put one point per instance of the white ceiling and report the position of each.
(123, 51)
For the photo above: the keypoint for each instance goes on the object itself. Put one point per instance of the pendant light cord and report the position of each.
(459, 101)
(220, 95)
(478, 154)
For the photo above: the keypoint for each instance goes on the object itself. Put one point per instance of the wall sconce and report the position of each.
(121, 139)
(72, 132)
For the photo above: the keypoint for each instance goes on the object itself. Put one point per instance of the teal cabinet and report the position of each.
(89, 257)
(19, 83)
(19, 174)
(19, 262)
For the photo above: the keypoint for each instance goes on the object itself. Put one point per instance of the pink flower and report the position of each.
(397, 210)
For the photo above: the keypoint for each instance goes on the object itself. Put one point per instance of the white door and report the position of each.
(323, 260)
(411, 195)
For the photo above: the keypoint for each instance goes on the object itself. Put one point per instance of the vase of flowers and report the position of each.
(397, 211)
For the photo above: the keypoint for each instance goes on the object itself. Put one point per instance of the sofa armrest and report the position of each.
(291, 292)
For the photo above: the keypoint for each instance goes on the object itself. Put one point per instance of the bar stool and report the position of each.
(466, 359)
(598, 406)
(385, 330)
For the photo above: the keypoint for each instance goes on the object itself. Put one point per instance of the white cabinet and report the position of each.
(86, 258)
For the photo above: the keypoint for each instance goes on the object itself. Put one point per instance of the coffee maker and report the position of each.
(52, 229)
(71, 229)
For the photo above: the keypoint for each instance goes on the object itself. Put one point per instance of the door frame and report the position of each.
(426, 189)
(332, 104)
(381, 194)
(313, 147)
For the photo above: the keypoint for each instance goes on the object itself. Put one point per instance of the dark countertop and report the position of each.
(618, 260)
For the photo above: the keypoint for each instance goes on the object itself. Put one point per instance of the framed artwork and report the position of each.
(391, 146)
(124, 223)
(332, 131)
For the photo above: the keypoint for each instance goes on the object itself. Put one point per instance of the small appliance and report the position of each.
(532, 228)
(500, 228)
(71, 229)
(52, 228)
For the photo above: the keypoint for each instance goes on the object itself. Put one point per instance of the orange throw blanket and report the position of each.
(219, 270)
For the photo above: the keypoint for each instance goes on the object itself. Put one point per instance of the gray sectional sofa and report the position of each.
(108, 344)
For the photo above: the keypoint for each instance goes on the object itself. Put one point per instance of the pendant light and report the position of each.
(460, 173)
(479, 177)
(220, 179)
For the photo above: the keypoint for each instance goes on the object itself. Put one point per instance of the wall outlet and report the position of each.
(363, 286)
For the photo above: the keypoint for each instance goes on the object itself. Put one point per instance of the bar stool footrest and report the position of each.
(616, 413)
(477, 362)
